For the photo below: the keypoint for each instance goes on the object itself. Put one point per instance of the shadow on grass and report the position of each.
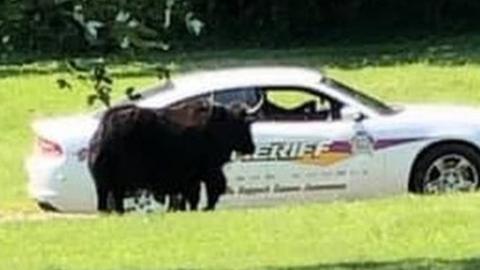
(436, 51)
(414, 264)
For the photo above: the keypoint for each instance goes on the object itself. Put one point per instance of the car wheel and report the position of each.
(142, 202)
(447, 168)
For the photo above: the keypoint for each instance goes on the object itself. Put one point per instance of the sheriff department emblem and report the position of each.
(362, 143)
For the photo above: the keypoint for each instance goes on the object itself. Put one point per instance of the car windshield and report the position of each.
(370, 102)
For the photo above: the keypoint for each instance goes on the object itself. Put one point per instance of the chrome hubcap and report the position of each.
(450, 173)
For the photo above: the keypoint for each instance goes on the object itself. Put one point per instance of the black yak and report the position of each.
(137, 148)
(225, 131)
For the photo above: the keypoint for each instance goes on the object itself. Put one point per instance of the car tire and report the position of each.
(47, 207)
(446, 168)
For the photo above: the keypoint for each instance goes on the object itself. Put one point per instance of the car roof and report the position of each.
(237, 77)
(201, 82)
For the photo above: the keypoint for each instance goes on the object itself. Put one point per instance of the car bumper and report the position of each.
(50, 183)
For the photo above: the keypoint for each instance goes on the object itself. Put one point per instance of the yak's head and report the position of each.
(239, 130)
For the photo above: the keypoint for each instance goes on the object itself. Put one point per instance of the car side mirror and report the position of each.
(358, 117)
(353, 114)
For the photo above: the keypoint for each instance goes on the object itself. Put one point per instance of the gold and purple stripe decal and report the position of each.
(346, 146)
(338, 151)
(322, 153)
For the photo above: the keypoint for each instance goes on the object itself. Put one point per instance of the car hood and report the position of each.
(446, 121)
(447, 114)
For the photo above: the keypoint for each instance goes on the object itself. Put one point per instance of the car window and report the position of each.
(290, 99)
(298, 104)
(245, 96)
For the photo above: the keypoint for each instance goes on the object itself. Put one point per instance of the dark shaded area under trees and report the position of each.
(410, 264)
(50, 26)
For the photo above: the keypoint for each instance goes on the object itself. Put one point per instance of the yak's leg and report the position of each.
(174, 203)
(182, 203)
(192, 195)
(102, 198)
(216, 185)
(160, 198)
(178, 202)
(171, 203)
(118, 196)
(194, 200)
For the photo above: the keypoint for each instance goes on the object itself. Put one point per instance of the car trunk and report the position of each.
(66, 136)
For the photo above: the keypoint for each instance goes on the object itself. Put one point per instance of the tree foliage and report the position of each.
(72, 26)
(269, 22)
(109, 25)
(113, 26)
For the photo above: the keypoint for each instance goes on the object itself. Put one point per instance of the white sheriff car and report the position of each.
(316, 139)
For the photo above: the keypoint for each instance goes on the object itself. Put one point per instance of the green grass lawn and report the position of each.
(397, 233)
(406, 232)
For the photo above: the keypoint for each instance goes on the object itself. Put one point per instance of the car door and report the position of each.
(304, 149)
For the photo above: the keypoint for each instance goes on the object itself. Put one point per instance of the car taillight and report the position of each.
(48, 148)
